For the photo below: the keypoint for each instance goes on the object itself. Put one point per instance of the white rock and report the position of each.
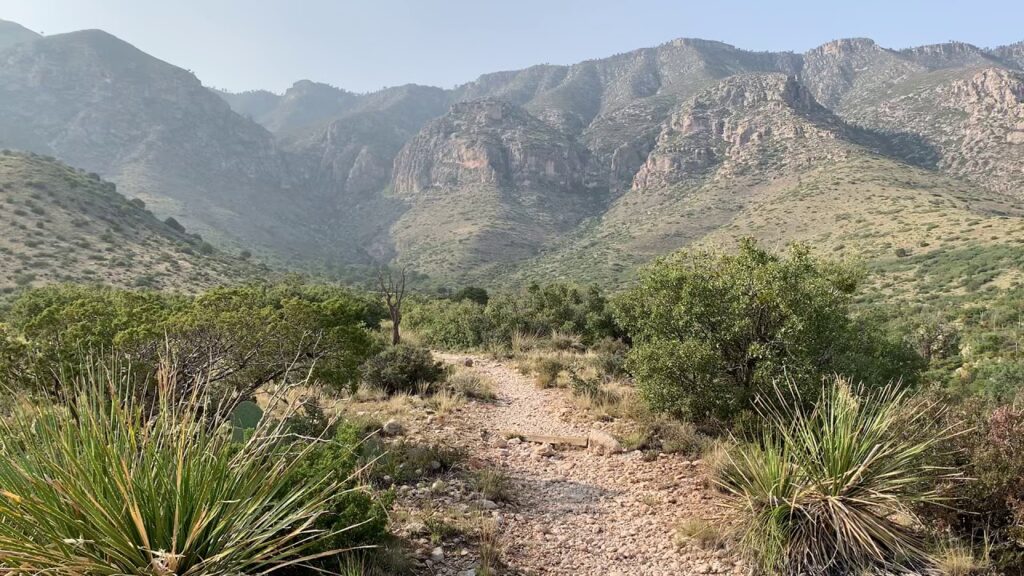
(437, 554)
(603, 443)
(544, 450)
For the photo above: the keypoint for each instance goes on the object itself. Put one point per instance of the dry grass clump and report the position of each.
(565, 341)
(546, 369)
(473, 384)
(666, 434)
(523, 342)
(956, 559)
(492, 484)
(706, 535)
(489, 548)
(446, 401)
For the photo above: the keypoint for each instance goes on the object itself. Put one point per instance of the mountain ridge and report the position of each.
(593, 167)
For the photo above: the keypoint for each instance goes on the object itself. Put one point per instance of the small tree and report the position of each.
(392, 290)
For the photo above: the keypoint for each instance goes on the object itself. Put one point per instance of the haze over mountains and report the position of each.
(580, 171)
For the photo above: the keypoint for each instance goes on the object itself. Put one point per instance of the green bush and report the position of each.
(452, 325)
(543, 310)
(473, 294)
(710, 331)
(833, 491)
(402, 368)
(95, 484)
(243, 336)
(355, 515)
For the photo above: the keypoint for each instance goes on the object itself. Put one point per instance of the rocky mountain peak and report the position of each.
(845, 47)
(1011, 54)
(946, 55)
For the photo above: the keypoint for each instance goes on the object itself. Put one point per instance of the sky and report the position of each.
(364, 45)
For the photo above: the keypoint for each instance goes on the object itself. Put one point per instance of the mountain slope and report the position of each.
(64, 225)
(757, 156)
(972, 118)
(488, 183)
(585, 170)
(101, 104)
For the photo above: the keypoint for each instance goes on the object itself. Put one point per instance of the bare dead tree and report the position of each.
(392, 290)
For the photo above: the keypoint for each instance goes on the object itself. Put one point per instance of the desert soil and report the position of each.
(573, 510)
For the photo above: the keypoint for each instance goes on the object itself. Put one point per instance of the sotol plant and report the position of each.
(100, 482)
(832, 491)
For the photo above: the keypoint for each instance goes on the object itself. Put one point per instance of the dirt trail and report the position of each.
(575, 511)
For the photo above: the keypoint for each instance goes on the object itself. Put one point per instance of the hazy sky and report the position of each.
(365, 45)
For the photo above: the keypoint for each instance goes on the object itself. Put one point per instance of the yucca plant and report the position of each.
(103, 480)
(832, 490)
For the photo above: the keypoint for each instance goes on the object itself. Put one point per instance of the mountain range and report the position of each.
(583, 171)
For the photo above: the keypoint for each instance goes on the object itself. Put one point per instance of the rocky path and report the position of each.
(575, 511)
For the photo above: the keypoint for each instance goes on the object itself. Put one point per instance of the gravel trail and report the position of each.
(576, 511)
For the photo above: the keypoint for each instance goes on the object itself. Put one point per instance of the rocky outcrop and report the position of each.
(768, 121)
(490, 143)
(973, 120)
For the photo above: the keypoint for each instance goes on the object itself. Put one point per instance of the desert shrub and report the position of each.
(97, 482)
(710, 331)
(542, 310)
(473, 294)
(834, 490)
(402, 368)
(988, 509)
(355, 515)
(610, 357)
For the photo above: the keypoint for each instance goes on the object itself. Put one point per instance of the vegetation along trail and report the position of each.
(577, 510)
